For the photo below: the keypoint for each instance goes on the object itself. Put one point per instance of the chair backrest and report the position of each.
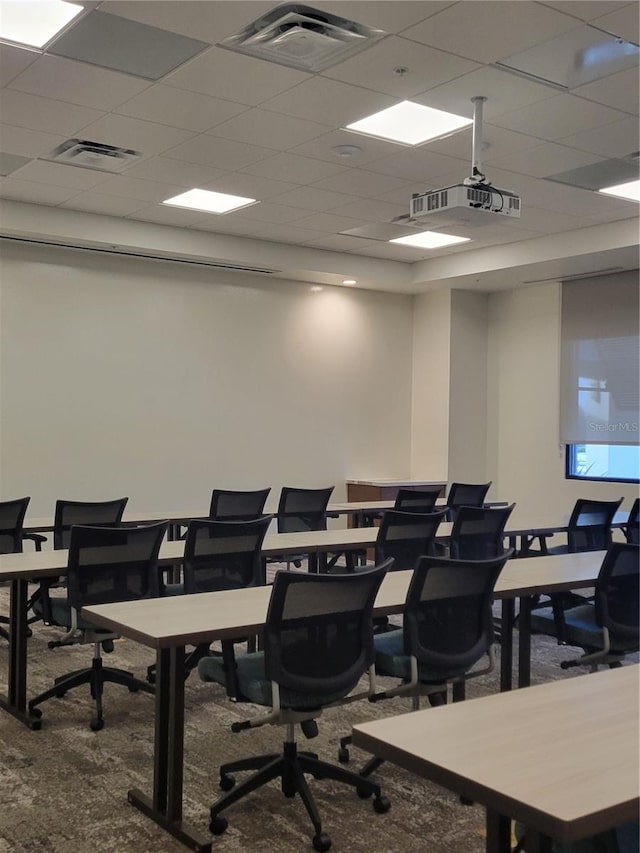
(92, 513)
(466, 494)
(223, 554)
(478, 532)
(632, 527)
(318, 636)
(406, 536)
(228, 505)
(447, 621)
(417, 500)
(617, 595)
(303, 509)
(589, 527)
(113, 563)
(11, 520)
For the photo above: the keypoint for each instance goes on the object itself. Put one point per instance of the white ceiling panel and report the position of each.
(550, 221)
(488, 30)
(28, 191)
(164, 215)
(106, 205)
(133, 188)
(558, 117)
(419, 164)
(179, 108)
(310, 198)
(324, 148)
(547, 159)
(270, 212)
(248, 186)
(619, 91)
(612, 140)
(28, 143)
(294, 169)
(497, 143)
(586, 10)
(329, 101)
(329, 222)
(390, 17)
(623, 21)
(281, 132)
(61, 175)
(143, 136)
(284, 233)
(44, 114)
(221, 153)
(13, 61)
(374, 209)
(361, 182)
(179, 172)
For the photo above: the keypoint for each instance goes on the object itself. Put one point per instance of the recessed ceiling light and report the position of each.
(211, 202)
(410, 123)
(316, 288)
(349, 281)
(629, 190)
(347, 151)
(429, 240)
(35, 23)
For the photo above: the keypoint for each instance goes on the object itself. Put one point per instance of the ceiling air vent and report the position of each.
(93, 155)
(302, 37)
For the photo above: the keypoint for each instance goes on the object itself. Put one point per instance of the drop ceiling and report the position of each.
(232, 123)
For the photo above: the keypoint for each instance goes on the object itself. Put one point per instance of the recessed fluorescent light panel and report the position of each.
(409, 123)
(35, 23)
(429, 240)
(210, 202)
(630, 190)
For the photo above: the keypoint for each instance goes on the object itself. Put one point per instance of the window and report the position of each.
(617, 462)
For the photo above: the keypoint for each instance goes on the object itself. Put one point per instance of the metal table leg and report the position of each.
(506, 644)
(15, 702)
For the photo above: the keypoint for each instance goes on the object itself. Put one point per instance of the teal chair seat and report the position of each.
(391, 660)
(580, 629)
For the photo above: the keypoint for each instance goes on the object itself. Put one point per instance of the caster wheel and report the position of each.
(381, 805)
(364, 793)
(96, 724)
(218, 825)
(321, 842)
(35, 712)
(51, 645)
(289, 791)
(343, 755)
(107, 646)
(227, 782)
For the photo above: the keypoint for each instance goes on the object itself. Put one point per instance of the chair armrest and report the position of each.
(37, 538)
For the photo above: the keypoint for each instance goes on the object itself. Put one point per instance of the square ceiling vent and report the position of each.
(93, 155)
(302, 37)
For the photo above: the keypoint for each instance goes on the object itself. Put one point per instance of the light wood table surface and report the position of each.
(562, 757)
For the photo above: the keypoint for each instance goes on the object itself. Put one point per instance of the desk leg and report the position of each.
(524, 642)
(535, 842)
(498, 833)
(506, 644)
(165, 808)
(16, 700)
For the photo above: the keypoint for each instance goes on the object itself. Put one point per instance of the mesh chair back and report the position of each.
(414, 500)
(589, 527)
(617, 591)
(93, 513)
(223, 554)
(448, 623)
(303, 509)
(113, 563)
(478, 532)
(406, 536)
(11, 520)
(227, 505)
(318, 635)
(466, 494)
(632, 527)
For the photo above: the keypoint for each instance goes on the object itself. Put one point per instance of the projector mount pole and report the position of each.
(477, 175)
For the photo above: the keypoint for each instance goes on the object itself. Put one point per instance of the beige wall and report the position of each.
(160, 381)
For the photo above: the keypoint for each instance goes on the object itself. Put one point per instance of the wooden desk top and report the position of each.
(560, 757)
(393, 482)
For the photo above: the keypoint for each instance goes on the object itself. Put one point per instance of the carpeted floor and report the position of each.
(64, 788)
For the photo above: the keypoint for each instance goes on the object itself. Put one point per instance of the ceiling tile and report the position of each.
(586, 10)
(221, 153)
(27, 143)
(271, 212)
(375, 68)
(488, 30)
(390, 17)
(122, 185)
(558, 117)
(143, 136)
(341, 243)
(336, 103)
(106, 205)
(328, 222)
(310, 198)
(13, 61)
(374, 210)
(165, 215)
(231, 223)
(360, 182)
(623, 21)
(391, 252)
(497, 142)
(285, 233)
(619, 91)
(77, 83)
(273, 130)
(37, 113)
(418, 164)
(322, 148)
(28, 191)
(124, 45)
(234, 77)
(166, 169)
(179, 108)
(248, 186)
(549, 221)
(61, 175)
(11, 162)
(546, 159)
(612, 140)
(294, 169)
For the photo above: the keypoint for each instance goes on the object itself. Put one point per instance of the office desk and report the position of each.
(562, 758)
(169, 624)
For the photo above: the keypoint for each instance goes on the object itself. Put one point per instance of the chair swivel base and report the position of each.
(290, 766)
(96, 677)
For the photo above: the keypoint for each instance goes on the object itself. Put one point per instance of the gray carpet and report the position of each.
(64, 787)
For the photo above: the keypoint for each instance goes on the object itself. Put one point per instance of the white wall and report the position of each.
(524, 454)
(160, 381)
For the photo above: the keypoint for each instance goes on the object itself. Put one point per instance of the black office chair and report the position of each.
(606, 629)
(106, 564)
(229, 505)
(218, 555)
(447, 630)
(318, 643)
(12, 515)
(67, 514)
(478, 532)
(300, 510)
(407, 536)
(632, 527)
(466, 494)
(414, 500)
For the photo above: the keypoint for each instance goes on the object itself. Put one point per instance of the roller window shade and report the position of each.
(600, 360)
